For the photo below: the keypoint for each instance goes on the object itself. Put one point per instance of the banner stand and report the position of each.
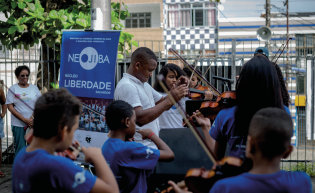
(87, 70)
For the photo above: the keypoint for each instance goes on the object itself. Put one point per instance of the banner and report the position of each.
(88, 61)
(87, 70)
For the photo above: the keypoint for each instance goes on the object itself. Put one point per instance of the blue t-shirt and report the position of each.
(223, 131)
(130, 162)
(39, 171)
(282, 181)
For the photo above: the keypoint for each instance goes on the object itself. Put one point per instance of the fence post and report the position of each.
(233, 68)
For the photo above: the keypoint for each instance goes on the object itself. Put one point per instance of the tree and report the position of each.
(32, 21)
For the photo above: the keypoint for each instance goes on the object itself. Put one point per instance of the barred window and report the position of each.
(138, 20)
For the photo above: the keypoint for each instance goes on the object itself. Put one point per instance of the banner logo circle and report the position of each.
(91, 56)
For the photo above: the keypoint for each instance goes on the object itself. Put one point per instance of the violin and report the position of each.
(201, 180)
(71, 152)
(210, 109)
(198, 92)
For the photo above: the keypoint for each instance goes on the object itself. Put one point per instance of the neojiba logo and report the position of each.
(88, 58)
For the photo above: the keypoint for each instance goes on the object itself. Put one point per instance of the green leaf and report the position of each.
(53, 14)
(20, 28)
(120, 56)
(2, 8)
(61, 12)
(12, 29)
(13, 4)
(43, 32)
(81, 22)
(135, 43)
(21, 5)
(28, 0)
(58, 32)
(31, 7)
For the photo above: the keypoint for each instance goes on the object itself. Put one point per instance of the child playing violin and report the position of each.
(268, 141)
(257, 87)
(171, 118)
(195, 82)
(37, 169)
(131, 162)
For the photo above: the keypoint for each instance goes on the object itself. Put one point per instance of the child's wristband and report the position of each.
(151, 135)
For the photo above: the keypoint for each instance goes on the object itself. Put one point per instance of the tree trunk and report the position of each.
(48, 70)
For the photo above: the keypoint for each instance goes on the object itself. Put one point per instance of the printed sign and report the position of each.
(88, 61)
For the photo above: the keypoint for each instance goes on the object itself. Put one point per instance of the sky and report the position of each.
(253, 8)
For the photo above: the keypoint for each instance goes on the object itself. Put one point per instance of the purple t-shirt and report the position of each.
(223, 131)
(39, 171)
(130, 162)
(282, 181)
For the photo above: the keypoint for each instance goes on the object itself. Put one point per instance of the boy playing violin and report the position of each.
(268, 141)
(131, 162)
(37, 169)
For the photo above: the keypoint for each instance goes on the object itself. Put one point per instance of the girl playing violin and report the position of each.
(257, 87)
(195, 83)
(170, 118)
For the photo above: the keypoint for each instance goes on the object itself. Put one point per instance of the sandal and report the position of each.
(2, 175)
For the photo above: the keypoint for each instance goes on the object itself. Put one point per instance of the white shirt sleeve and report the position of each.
(129, 94)
(156, 95)
(10, 96)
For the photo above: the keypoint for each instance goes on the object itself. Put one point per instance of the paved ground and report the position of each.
(6, 182)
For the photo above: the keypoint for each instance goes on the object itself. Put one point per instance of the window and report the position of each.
(138, 20)
(187, 15)
(305, 44)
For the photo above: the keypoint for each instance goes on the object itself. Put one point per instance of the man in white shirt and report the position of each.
(148, 103)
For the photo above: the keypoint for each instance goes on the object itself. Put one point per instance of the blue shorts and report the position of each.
(2, 135)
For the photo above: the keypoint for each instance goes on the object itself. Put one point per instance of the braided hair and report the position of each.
(284, 91)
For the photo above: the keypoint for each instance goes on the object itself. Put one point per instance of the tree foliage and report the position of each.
(31, 21)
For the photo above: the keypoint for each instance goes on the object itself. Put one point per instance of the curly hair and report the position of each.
(164, 71)
(284, 91)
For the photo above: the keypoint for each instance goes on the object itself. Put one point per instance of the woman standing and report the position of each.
(2, 114)
(21, 115)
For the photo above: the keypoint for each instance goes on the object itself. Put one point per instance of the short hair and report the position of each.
(116, 113)
(272, 129)
(189, 72)
(142, 55)
(164, 71)
(53, 111)
(19, 69)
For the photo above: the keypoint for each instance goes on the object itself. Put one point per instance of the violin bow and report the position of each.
(190, 125)
(277, 52)
(208, 67)
(216, 92)
(192, 74)
(283, 50)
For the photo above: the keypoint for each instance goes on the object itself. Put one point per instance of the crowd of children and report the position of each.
(258, 128)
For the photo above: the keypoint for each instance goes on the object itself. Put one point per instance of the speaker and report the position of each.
(264, 33)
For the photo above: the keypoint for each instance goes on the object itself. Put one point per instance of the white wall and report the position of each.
(153, 8)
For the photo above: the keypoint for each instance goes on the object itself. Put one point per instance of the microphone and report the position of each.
(223, 79)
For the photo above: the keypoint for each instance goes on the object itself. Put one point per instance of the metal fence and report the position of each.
(225, 65)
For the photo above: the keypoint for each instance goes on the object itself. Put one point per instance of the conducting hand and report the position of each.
(179, 92)
(182, 80)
